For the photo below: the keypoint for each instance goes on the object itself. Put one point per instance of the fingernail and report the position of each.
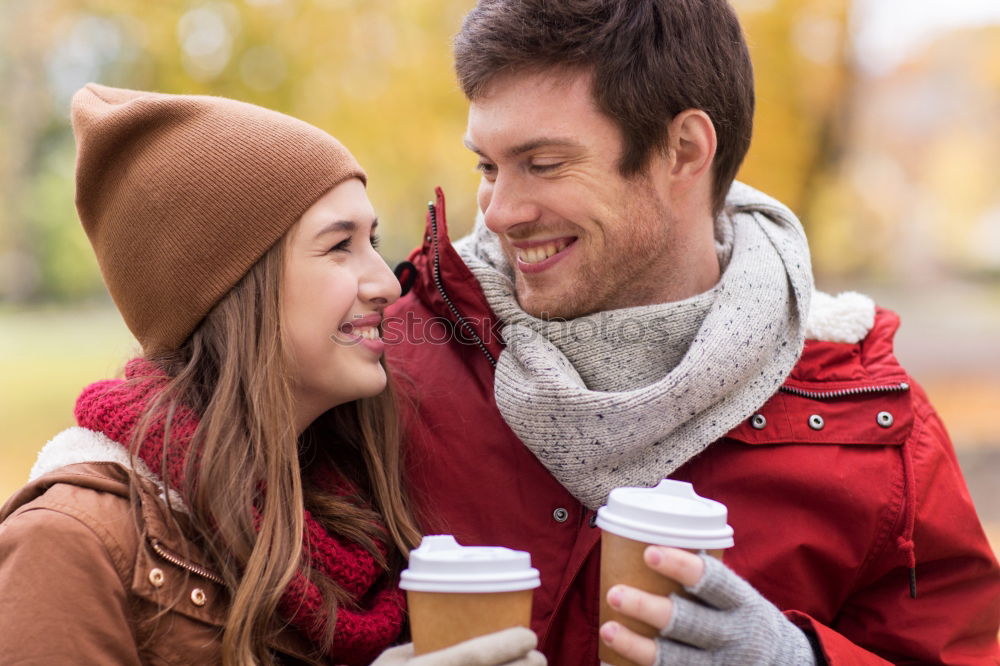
(654, 555)
(615, 597)
(608, 631)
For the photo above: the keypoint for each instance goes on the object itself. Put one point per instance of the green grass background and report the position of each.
(46, 357)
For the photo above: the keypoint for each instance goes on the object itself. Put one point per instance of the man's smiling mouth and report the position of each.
(539, 252)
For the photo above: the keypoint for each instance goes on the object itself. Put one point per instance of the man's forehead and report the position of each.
(526, 86)
(531, 110)
(556, 79)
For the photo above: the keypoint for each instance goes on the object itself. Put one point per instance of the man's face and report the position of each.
(580, 237)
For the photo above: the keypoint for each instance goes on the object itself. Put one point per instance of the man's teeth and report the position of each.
(533, 255)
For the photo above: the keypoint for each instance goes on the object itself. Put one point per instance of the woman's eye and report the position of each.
(342, 246)
(376, 241)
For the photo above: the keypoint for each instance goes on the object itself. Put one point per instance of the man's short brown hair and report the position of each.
(650, 59)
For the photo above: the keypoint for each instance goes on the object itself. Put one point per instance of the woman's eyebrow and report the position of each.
(342, 225)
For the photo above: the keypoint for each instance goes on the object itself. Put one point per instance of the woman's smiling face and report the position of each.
(334, 289)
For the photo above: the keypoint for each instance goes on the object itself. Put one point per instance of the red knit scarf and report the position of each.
(363, 630)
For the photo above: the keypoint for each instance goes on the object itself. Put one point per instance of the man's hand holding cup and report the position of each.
(678, 603)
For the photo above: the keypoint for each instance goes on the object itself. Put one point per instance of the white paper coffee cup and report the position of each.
(457, 592)
(671, 514)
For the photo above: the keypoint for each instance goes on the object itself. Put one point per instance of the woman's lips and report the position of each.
(365, 331)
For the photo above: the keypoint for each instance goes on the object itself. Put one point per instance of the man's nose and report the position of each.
(506, 203)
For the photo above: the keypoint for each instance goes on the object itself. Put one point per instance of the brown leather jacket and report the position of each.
(84, 580)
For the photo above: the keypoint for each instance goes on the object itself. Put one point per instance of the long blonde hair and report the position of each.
(233, 373)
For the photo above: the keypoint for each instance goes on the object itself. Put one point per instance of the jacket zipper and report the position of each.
(176, 560)
(466, 326)
(861, 390)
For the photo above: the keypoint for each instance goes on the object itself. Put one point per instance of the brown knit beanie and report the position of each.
(181, 194)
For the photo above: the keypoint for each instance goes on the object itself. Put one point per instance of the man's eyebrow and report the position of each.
(342, 225)
(528, 146)
(471, 146)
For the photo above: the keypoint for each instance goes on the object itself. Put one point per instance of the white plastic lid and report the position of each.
(671, 514)
(440, 564)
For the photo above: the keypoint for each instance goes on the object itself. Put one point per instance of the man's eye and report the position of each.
(542, 168)
(486, 168)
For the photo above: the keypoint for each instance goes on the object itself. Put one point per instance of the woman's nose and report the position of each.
(380, 285)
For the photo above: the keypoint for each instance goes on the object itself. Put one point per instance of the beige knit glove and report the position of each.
(510, 647)
(732, 624)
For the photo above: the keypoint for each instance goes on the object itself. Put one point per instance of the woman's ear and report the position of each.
(692, 143)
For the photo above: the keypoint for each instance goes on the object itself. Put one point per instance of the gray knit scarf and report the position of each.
(625, 397)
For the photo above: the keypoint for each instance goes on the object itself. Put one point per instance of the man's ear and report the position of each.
(692, 143)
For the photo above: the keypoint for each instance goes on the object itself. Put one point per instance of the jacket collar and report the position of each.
(446, 285)
(81, 445)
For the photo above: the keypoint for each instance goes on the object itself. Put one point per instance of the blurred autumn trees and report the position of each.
(377, 74)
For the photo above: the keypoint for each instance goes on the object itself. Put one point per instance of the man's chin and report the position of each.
(548, 307)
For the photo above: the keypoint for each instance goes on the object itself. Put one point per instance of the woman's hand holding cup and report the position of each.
(510, 647)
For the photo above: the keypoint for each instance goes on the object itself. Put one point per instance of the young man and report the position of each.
(624, 312)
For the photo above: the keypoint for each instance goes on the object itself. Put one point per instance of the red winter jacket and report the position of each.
(862, 531)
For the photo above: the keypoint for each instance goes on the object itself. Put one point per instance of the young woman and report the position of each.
(192, 515)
